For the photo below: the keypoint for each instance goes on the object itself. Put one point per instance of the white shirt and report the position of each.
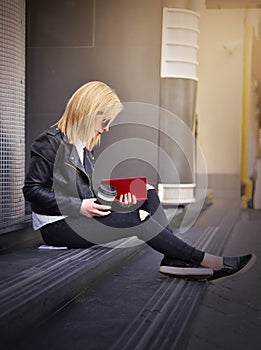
(40, 220)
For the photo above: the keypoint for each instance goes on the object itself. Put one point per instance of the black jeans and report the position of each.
(83, 232)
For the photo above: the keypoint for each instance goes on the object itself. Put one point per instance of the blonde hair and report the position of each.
(90, 100)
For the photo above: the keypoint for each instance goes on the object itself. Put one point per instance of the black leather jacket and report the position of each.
(56, 181)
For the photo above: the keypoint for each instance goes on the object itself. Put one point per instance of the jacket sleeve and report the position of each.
(38, 186)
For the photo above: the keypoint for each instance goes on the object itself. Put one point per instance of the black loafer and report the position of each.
(232, 267)
(184, 269)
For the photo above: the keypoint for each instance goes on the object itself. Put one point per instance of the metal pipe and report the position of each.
(247, 77)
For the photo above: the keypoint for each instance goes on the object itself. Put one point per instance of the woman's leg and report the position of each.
(179, 257)
(165, 241)
(224, 267)
(82, 232)
(119, 225)
(60, 234)
(153, 206)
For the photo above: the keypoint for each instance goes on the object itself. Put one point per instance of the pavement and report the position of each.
(229, 314)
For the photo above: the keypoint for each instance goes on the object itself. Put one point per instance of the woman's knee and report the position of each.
(143, 214)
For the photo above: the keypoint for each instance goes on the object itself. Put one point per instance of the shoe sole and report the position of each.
(187, 272)
(236, 274)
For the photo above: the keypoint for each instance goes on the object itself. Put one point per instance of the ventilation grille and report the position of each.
(12, 103)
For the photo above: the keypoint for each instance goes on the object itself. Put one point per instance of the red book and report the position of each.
(134, 185)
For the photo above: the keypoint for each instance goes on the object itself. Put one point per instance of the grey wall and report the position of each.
(121, 47)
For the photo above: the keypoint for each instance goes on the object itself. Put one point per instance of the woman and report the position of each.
(64, 205)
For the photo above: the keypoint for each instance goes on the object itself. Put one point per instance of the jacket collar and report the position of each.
(73, 154)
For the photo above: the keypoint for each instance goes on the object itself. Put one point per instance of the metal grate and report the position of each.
(12, 105)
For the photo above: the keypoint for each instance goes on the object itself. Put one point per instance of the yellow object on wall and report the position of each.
(247, 77)
(251, 23)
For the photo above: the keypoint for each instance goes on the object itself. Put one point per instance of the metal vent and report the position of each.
(12, 106)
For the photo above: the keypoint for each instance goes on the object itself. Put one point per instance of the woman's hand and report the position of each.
(127, 200)
(89, 208)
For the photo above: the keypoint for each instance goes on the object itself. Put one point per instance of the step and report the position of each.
(34, 293)
(163, 321)
(134, 307)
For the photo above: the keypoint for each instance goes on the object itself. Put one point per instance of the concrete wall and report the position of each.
(124, 52)
(219, 105)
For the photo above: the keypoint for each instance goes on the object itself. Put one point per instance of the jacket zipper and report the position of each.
(79, 170)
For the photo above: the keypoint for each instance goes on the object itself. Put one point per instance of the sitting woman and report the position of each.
(65, 208)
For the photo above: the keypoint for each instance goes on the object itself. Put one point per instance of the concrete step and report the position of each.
(35, 293)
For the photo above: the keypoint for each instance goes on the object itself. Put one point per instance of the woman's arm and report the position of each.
(38, 190)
